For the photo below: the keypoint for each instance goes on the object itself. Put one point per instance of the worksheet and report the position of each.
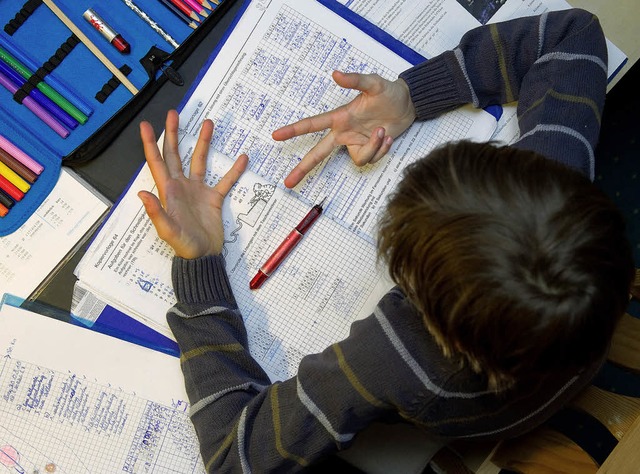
(275, 68)
(76, 401)
(30, 255)
(330, 279)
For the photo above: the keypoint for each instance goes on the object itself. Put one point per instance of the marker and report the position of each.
(20, 169)
(36, 108)
(285, 248)
(9, 189)
(66, 98)
(41, 98)
(109, 33)
(6, 200)
(20, 155)
(14, 178)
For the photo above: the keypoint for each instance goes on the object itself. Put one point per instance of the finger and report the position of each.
(170, 145)
(304, 126)
(159, 218)
(384, 149)
(315, 156)
(157, 166)
(232, 176)
(198, 165)
(365, 153)
(370, 83)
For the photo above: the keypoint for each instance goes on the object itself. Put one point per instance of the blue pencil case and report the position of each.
(65, 51)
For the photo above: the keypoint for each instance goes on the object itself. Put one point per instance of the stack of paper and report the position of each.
(81, 412)
(31, 255)
(276, 67)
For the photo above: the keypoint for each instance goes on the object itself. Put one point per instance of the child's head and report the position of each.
(519, 265)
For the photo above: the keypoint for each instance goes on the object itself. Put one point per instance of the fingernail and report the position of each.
(380, 133)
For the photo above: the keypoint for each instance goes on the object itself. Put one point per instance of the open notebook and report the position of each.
(105, 406)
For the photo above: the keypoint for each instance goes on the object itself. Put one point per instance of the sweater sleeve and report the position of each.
(242, 420)
(554, 65)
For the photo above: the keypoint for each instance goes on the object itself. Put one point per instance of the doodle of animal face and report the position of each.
(262, 192)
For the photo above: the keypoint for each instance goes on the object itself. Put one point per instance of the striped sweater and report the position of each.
(390, 367)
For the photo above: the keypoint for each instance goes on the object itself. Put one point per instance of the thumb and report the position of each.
(369, 83)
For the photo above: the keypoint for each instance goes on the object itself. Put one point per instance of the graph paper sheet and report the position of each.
(75, 401)
(275, 68)
(327, 282)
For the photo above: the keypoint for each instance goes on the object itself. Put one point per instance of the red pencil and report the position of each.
(196, 7)
(184, 8)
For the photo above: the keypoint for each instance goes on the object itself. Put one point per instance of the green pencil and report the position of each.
(44, 87)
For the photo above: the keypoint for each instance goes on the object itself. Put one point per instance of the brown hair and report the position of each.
(519, 265)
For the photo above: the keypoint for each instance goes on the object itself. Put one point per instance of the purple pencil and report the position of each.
(39, 97)
(36, 108)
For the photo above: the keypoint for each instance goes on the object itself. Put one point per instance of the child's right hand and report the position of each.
(367, 125)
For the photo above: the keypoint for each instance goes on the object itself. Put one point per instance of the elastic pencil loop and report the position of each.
(26, 89)
(52, 63)
(22, 16)
(103, 94)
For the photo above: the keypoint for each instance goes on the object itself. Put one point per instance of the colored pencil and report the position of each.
(205, 4)
(151, 22)
(89, 44)
(34, 107)
(39, 97)
(44, 87)
(3, 210)
(196, 7)
(14, 178)
(6, 200)
(187, 19)
(186, 9)
(10, 189)
(22, 171)
(20, 155)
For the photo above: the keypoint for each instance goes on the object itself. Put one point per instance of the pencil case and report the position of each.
(64, 52)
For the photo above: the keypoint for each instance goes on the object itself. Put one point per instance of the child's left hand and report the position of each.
(188, 215)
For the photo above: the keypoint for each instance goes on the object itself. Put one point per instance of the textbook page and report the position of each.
(101, 405)
(433, 26)
(275, 68)
(31, 254)
(328, 281)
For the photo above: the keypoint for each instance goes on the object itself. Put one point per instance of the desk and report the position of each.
(618, 17)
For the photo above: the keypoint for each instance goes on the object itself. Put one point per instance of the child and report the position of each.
(512, 268)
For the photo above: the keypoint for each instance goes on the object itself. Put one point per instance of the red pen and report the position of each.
(286, 246)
